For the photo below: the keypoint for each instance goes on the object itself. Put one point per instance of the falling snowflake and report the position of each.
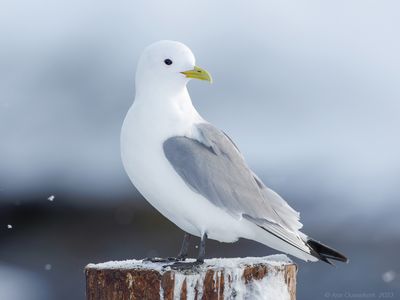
(47, 267)
(51, 198)
(388, 276)
(9, 226)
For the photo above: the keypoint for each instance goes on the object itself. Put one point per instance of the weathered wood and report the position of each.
(272, 277)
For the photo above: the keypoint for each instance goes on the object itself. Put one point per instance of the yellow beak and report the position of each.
(198, 73)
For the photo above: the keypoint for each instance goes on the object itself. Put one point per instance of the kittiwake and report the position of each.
(193, 173)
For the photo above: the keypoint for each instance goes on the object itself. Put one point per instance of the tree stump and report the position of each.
(270, 277)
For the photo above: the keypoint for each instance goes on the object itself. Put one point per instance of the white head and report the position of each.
(167, 66)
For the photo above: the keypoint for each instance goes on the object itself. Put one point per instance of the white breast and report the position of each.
(145, 129)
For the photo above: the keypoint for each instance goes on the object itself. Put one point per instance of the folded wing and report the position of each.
(212, 166)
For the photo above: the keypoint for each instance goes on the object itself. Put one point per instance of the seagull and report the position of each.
(193, 173)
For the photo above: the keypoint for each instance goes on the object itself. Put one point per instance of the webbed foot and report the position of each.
(180, 265)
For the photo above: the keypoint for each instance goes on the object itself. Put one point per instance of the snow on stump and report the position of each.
(270, 277)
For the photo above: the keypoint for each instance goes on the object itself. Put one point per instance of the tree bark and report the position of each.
(250, 278)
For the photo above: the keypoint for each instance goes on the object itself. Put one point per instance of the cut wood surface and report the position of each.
(270, 277)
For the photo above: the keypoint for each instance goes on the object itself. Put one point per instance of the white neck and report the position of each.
(167, 109)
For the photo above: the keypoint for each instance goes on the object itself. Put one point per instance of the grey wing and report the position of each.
(213, 167)
(288, 215)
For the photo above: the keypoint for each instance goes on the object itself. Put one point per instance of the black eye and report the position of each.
(168, 61)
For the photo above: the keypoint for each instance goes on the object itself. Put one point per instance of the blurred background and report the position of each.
(309, 90)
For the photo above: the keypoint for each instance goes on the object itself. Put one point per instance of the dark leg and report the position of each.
(202, 250)
(199, 261)
(185, 247)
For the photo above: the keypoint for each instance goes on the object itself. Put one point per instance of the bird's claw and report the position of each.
(180, 265)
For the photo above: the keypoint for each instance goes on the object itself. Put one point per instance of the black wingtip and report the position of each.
(325, 253)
